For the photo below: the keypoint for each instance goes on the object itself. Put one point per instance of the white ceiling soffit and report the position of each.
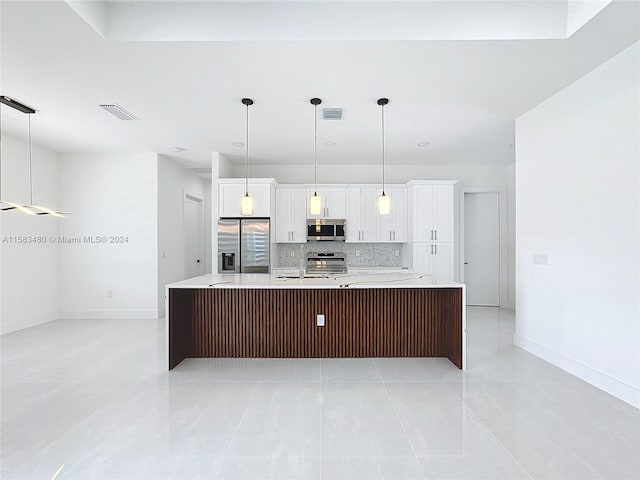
(335, 20)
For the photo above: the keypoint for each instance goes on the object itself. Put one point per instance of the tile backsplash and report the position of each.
(371, 254)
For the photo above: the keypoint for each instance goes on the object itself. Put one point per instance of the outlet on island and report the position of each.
(320, 320)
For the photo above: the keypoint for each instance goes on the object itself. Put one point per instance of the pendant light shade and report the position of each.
(247, 205)
(315, 202)
(247, 201)
(384, 202)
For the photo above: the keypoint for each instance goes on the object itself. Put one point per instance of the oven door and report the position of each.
(320, 231)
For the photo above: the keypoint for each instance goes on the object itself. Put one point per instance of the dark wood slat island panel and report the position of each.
(281, 323)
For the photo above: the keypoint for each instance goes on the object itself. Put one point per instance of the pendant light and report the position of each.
(30, 209)
(315, 202)
(384, 202)
(247, 201)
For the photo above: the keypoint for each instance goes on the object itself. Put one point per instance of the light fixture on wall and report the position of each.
(315, 202)
(30, 209)
(247, 201)
(384, 202)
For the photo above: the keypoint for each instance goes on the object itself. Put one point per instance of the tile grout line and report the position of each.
(473, 414)
(395, 411)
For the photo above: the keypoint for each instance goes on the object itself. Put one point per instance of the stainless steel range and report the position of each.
(326, 262)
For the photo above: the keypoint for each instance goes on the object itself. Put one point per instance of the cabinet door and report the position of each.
(422, 217)
(353, 216)
(369, 214)
(443, 213)
(422, 258)
(443, 261)
(283, 215)
(298, 214)
(335, 203)
(400, 212)
(230, 198)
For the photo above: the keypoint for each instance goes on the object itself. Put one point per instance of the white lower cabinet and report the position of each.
(434, 259)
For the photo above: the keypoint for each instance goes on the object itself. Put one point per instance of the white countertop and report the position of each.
(265, 280)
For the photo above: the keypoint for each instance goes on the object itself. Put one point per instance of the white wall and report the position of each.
(174, 182)
(28, 272)
(577, 181)
(109, 195)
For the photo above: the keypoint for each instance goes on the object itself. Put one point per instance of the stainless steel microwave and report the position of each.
(325, 230)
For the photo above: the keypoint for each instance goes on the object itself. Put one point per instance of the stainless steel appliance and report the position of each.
(326, 262)
(325, 229)
(243, 245)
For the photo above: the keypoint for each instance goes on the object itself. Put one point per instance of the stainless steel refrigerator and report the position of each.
(243, 245)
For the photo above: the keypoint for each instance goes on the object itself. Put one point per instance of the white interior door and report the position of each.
(482, 248)
(193, 233)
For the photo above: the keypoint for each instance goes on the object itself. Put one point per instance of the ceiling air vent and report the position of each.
(200, 170)
(332, 113)
(119, 112)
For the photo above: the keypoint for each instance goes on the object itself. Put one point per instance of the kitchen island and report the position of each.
(268, 316)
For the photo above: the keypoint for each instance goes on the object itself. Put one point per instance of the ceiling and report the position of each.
(462, 96)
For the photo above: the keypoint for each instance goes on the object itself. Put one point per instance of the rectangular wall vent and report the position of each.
(119, 112)
(334, 113)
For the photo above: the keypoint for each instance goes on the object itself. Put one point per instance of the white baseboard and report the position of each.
(21, 323)
(108, 314)
(615, 387)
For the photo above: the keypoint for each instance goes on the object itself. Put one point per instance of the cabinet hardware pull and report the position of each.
(435, 234)
(435, 247)
(431, 234)
(432, 249)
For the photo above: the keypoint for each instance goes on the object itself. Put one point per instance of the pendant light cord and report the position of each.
(246, 170)
(30, 167)
(315, 149)
(382, 149)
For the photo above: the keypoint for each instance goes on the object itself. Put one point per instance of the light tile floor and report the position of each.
(91, 399)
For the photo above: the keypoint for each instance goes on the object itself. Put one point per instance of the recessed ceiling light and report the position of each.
(330, 144)
(424, 144)
(238, 144)
(178, 149)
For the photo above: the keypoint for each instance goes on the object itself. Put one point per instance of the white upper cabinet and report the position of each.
(394, 227)
(291, 215)
(443, 213)
(333, 202)
(433, 213)
(231, 194)
(361, 214)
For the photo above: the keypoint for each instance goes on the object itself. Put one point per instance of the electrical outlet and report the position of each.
(110, 294)
(164, 254)
(396, 253)
(320, 320)
(292, 254)
(357, 253)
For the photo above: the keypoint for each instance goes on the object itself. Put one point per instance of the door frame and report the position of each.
(503, 239)
(201, 240)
